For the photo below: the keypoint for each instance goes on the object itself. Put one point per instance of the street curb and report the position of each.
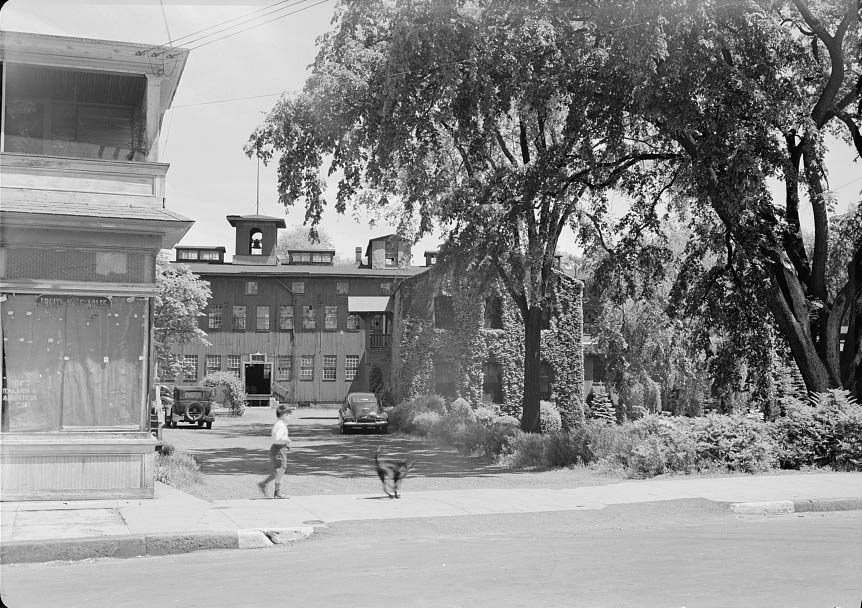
(120, 547)
(780, 507)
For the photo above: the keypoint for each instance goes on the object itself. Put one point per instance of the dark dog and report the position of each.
(391, 472)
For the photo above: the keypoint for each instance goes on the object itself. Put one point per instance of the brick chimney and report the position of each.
(359, 254)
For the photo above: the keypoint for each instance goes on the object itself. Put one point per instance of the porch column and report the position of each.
(154, 97)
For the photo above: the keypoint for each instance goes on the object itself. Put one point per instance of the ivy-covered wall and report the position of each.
(418, 346)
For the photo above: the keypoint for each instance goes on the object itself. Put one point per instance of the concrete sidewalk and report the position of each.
(175, 522)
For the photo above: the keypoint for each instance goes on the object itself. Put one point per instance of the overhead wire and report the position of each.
(299, 10)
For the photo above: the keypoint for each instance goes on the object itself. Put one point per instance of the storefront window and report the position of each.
(73, 362)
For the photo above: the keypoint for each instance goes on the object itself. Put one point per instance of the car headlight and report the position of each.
(383, 415)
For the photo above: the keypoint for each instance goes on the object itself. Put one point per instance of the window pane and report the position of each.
(353, 322)
(308, 320)
(285, 368)
(342, 288)
(190, 368)
(239, 317)
(214, 317)
(351, 367)
(306, 371)
(285, 317)
(297, 287)
(213, 364)
(262, 323)
(329, 365)
(330, 319)
(233, 364)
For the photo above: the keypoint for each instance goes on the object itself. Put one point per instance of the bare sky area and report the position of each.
(232, 79)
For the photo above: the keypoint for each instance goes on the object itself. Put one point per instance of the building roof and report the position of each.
(302, 270)
(367, 303)
(255, 217)
(173, 226)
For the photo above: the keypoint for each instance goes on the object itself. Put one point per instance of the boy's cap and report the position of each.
(283, 409)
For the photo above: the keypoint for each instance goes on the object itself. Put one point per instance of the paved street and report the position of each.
(682, 553)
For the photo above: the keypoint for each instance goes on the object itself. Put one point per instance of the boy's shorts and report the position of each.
(278, 456)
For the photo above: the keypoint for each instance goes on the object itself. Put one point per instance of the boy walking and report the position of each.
(278, 451)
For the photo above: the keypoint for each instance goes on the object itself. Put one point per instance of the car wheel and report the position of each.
(194, 412)
(209, 424)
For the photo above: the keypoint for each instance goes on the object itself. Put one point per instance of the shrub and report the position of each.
(177, 468)
(736, 442)
(601, 407)
(828, 432)
(609, 446)
(550, 419)
(461, 411)
(423, 423)
(556, 449)
(485, 414)
(235, 397)
(661, 445)
(401, 417)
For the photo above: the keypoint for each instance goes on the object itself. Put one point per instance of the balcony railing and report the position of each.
(380, 340)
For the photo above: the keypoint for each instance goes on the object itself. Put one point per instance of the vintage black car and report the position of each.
(363, 411)
(192, 404)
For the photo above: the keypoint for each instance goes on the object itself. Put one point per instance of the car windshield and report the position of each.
(361, 400)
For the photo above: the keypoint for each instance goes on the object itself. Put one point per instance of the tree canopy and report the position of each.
(493, 121)
(180, 301)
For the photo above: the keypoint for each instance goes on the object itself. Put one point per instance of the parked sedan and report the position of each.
(363, 411)
(192, 404)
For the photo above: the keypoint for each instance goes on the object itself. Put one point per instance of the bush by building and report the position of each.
(235, 396)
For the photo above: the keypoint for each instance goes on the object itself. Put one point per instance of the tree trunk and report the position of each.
(530, 418)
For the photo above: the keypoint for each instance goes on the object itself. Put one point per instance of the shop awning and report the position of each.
(367, 303)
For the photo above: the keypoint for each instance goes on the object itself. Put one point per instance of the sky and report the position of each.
(230, 82)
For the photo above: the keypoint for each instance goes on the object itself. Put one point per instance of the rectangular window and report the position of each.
(297, 287)
(385, 289)
(308, 321)
(342, 288)
(262, 318)
(306, 367)
(321, 258)
(190, 368)
(239, 318)
(390, 261)
(210, 256)
(213, 364)
(300, 257)
(214, 317)
(187, 255)
(251, 288)
(52, 381)
(330, 318)
(285, 368)
(444, 314)
(285, 318)
(233, 363)
(351, 367)
(329, 365)
(353, 322)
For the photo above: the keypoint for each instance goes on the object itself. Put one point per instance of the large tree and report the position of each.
(495, 121)
(748, 93)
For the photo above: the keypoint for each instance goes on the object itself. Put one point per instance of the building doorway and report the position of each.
(257, 378)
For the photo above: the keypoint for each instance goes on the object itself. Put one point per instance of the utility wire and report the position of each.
(181, 39)
(299, 10)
